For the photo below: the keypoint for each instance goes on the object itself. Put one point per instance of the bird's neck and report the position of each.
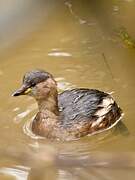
(50, 104)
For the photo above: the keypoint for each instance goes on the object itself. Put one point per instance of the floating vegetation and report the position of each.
(126, 38)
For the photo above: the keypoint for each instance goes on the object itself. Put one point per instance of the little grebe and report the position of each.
(71, 114)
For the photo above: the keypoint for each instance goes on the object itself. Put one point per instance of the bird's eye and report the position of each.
(33, 84)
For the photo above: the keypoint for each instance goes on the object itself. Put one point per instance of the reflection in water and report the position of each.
(58, 53)
(75, 41)
(19, 18)
(43, 161)
(16, 173)
(69, 5)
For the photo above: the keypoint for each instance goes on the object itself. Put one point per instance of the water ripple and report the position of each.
(59, 54)
(19, 173)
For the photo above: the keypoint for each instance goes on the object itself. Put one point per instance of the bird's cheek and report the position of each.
(33, 92)
(40, 93)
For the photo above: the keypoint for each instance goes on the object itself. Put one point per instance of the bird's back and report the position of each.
(86, 105)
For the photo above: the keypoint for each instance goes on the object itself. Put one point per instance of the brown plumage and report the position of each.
(71, 114)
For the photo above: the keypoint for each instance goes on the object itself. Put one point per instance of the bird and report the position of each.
(71, 114)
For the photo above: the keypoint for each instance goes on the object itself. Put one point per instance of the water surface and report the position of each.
(77, 42)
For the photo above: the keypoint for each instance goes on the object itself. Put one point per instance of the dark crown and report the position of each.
(36, 76)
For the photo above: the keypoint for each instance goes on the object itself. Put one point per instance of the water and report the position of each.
(77, 43)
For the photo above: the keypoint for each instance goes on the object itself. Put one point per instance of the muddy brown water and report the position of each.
(77, 43)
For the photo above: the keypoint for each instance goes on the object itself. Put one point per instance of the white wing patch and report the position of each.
(107, 102)
(98, 121)
(106, 106)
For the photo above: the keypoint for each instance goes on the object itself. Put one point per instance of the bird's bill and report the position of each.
(22, 91)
